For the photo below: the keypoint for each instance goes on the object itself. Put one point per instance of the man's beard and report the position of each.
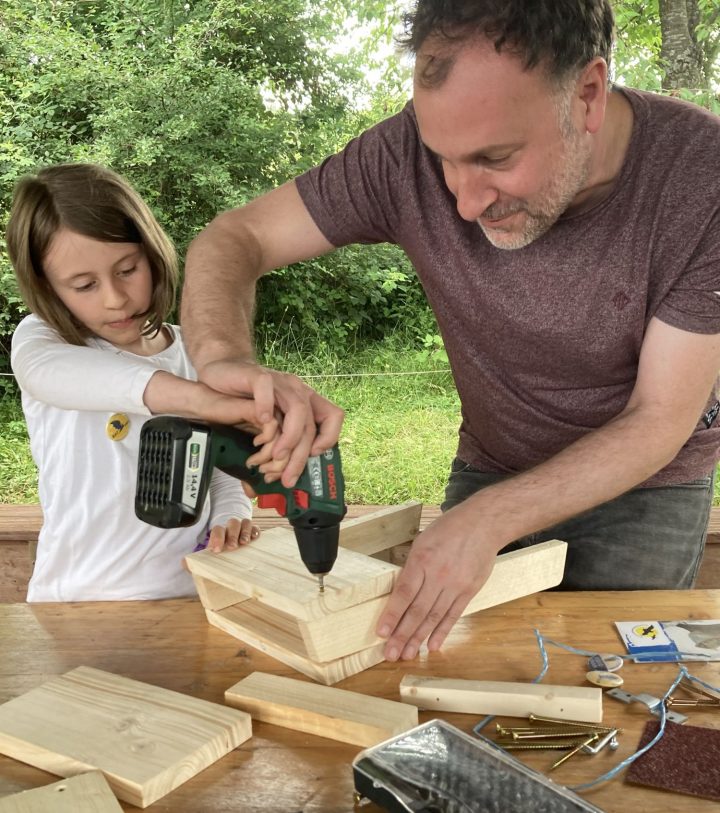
(572, 171)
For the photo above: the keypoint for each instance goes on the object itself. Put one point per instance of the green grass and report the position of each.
(399, 436)
(401, 419)
(19, 475)
(400, 432)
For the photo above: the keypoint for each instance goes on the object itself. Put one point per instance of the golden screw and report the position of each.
(588, 741)
(579, 724)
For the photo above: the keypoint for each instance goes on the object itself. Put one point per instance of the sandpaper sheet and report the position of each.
(685, 760)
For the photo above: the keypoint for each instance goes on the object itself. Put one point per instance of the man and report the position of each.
(567, 234)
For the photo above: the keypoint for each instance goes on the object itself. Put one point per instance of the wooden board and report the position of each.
(333, 713)
(253, 632)
(381, 529)
(85, 793)
(270, 569)
(324, 648)
(521, 573)
(503, 698)
(146, 740)
(216, 597)
(514, 574)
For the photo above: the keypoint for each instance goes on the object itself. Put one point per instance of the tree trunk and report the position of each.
(681, 56)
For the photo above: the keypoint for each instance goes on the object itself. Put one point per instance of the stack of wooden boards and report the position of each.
(263, 594)
(147, 740)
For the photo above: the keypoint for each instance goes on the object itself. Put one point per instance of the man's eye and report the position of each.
(496, 161)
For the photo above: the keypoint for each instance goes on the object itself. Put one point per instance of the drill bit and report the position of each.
(321, 582)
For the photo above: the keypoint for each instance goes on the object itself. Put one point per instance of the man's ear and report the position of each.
(591, 91)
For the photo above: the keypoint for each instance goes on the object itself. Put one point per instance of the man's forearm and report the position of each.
(221, 270)
(597, 468)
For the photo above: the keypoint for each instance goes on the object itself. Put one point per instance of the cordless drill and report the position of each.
(175, 465)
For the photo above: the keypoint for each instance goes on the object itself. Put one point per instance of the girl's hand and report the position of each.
(271, 466)
(229, 537)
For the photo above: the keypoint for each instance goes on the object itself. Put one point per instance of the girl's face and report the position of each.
(106, 286)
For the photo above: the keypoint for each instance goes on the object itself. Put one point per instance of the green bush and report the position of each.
(356, 296)
(202, 106)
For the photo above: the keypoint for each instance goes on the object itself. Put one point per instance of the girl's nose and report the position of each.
(114, 295)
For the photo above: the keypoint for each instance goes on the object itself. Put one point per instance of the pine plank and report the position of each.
(503, 698)
(344, 632)
(333, 713)
(270, 569)
(514, 575)
(216, 597)
(327, 673)
(521, 573)
(266, 623)
(382, 529)
(146, 740)
(84, 793)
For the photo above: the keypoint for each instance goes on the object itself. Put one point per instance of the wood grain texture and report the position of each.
(381, 529)
(341, 633)
(333, 713)
(278, 770)
(146, 740)
(503, 698)
(20, 523)
(252, 631)
(521, 573)
(216, 597)
(270, 569)
(84, 793)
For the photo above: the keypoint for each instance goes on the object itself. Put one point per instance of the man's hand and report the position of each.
(447, 565)
(310, 423)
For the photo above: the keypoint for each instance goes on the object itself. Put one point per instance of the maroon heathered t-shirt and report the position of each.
(544, 341)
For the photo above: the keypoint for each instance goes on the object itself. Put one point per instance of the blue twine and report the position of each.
(613, 772)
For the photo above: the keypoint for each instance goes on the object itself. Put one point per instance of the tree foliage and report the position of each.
(671, 46)
(203, 104)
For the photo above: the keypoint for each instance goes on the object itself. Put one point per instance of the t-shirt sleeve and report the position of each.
(227, 499)
(693, 303)
(69, 376)
(354, 196)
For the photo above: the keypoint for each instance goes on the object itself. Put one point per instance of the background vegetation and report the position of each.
(203, 104)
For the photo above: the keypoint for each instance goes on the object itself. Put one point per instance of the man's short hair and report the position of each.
(561, 35)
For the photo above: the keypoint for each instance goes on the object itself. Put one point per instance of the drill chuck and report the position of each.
(318, 547)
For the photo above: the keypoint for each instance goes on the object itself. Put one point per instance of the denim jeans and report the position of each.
(645, 539)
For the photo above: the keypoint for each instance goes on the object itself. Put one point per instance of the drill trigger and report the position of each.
(276, 501)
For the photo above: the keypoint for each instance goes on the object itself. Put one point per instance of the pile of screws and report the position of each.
(705, 700)
(549, 734)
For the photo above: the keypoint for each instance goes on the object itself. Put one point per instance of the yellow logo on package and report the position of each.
(118, 426)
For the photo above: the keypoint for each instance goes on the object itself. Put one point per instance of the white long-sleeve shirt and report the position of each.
(92, 547)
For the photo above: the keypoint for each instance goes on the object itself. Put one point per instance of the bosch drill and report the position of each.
(177, 457)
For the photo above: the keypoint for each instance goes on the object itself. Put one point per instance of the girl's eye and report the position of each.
(128, 271)
(87, 287)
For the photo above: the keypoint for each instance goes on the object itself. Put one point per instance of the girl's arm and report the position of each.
(69, 376)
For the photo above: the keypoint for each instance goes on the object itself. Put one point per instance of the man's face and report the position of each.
(511, 150)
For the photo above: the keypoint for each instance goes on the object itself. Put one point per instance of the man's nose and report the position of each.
(475, 191)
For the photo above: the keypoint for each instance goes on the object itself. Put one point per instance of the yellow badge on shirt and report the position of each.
(118, 426)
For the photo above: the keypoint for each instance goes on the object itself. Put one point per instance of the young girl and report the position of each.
(94, 359)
